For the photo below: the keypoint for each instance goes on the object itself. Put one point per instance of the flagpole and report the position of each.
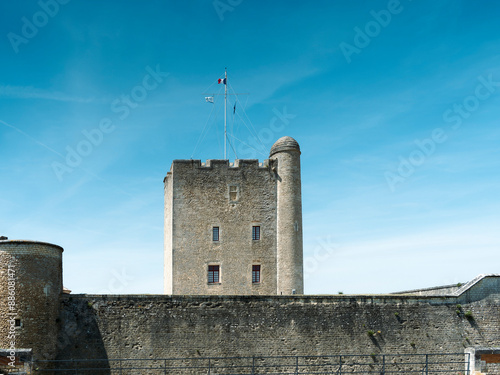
(225, 112)
(210, 99)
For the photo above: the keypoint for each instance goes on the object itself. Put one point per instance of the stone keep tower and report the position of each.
(235, 228)
(30, 287)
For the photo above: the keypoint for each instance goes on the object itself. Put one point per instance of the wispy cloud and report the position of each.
(30, 137)
(30, 92)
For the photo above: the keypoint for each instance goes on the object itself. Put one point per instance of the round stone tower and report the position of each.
(30, 286)
(290, 280)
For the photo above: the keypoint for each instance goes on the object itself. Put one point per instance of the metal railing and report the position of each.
(380, 364)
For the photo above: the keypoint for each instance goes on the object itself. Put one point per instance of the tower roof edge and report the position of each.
(284, 144)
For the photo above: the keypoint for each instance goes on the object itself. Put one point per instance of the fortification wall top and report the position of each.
(29, 242)
(433, 291)
(374, 299)
(220, 163)
(483, 287)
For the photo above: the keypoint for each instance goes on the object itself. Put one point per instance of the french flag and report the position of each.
(222, 80)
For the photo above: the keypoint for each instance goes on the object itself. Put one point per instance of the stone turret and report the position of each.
(286, 152)
(30, 287)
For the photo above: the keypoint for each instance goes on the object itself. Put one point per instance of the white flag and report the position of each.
(209, 99)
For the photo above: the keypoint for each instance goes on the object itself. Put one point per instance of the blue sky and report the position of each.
(395, 105)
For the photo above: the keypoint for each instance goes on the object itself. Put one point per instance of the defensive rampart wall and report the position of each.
(157, 326)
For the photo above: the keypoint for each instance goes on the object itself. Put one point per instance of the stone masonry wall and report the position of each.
(204, 326)
(198, 197)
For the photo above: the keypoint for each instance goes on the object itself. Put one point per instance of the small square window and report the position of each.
(233, 192)
(256, 233)
(213, 274)
(215, 234)
(256, 273)
(17, 323)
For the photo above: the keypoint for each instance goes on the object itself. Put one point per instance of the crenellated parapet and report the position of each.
(220, 163)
